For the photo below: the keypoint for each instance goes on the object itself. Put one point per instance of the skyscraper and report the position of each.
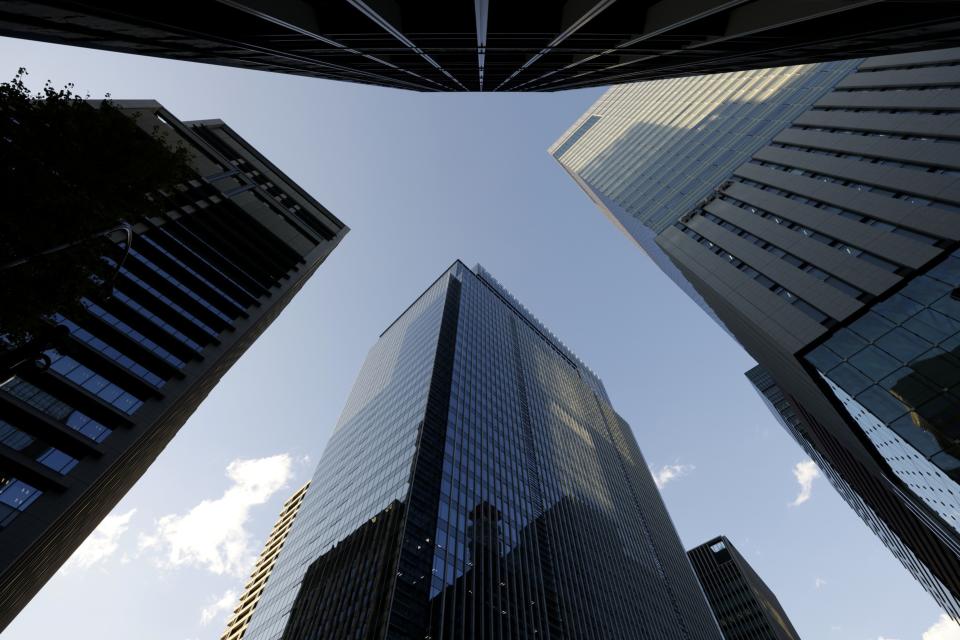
(198, 285)
(481, 45)
(921, 549)
(831, 256)
(646, 153)
(250, 598)
(479, 485)
(744, 606)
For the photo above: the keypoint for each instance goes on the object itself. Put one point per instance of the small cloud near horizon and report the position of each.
(805, 472)
(669, 472)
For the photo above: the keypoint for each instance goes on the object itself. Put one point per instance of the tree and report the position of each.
(70, 172)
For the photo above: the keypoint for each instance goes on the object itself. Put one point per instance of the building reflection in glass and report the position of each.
(480, 486)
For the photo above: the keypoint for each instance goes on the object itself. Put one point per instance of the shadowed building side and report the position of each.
(346, 591)
(199, 284)
(492, 45)
(744, 606)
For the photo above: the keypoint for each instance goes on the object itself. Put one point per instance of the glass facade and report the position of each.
(479, 485)
(896, 370)
(884, 520)
(745, 607)
(237, 625)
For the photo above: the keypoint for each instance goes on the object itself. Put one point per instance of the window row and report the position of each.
(55, 408)
(183, 265)
(93, 382)
(167, 301)
(859, 186)
(179, 285)
(100, 346)
(845, 213)
(812, 312)
(898, 164)
(15, 497)
(130, 332)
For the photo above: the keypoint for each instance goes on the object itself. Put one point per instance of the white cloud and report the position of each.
(805, 472)
(102, 543)
(943, 629)
(669, 472)
(225, 604)
(819, 582)
(212, 535)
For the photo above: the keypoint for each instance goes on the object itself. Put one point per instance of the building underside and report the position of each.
(492, 45)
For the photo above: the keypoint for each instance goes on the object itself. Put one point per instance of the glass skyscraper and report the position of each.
(480, 485)
(876, 503)
(831, 254)
(744, 605)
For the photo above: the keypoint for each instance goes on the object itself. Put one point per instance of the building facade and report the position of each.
(831, 256)
(237, 625)
(479, 485)
(492, 46)
(644, 152)
(197, 286)
(878, 503)
(744, 606)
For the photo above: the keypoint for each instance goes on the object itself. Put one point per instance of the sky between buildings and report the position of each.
(423, 179)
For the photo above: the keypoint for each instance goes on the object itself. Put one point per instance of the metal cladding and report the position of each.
(199, 285)
(831, 254)
(492, 45)
(480, 485)
(744, 606)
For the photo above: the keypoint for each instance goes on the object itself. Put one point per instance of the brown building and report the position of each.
(261, 571)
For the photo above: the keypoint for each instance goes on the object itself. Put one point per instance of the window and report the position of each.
(576, 135)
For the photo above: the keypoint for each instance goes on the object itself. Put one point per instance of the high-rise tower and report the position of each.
(917, 545)
(831, 255)
(197, 286)
(742, 602)
(480, 485)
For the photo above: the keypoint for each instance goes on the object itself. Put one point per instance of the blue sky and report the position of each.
(423, 179)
